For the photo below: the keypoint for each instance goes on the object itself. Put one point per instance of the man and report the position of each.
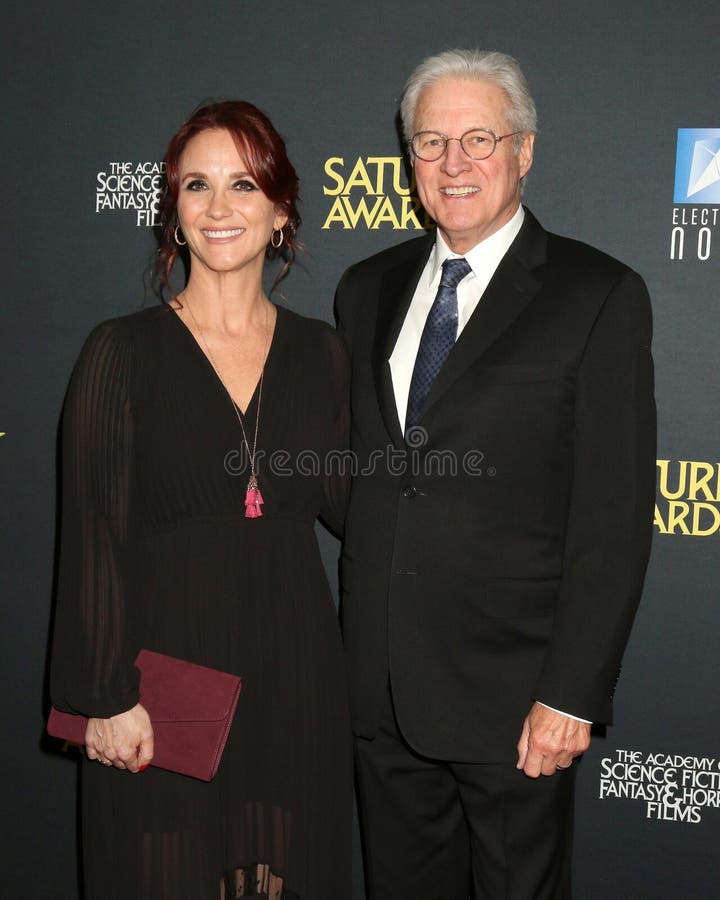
(499, 525)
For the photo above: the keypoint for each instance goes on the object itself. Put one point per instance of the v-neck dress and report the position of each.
(156, 553)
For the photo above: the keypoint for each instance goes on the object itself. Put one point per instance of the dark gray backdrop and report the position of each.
(94, 83)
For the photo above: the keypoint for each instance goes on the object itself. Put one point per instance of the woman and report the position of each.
(188, 530)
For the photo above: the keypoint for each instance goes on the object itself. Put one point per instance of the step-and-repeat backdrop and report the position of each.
(627, 159)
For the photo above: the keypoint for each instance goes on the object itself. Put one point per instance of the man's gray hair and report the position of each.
(474, 65)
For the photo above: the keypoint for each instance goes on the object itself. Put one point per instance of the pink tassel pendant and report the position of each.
(253, 500)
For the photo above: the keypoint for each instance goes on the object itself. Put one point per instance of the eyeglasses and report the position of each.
(478, 143)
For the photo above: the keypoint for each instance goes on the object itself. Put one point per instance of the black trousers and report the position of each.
(440, 830)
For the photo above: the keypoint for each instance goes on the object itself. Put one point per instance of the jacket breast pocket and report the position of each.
(522, 374)
(520, 416)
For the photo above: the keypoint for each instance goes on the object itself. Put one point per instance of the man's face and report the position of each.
(469, 199)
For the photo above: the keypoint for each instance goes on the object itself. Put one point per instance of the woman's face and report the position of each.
(225, 218)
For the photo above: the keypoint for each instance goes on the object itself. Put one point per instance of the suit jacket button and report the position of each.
(410, 492)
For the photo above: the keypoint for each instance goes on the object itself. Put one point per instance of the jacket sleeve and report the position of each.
(610, 516)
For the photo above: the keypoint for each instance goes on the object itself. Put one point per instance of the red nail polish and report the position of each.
(142, 768)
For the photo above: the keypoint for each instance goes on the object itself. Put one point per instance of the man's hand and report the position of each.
(550, 741)
(124, 741)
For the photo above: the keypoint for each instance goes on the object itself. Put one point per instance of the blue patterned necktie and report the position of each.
(438, 338)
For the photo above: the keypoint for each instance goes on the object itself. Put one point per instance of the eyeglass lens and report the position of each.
(430, 145)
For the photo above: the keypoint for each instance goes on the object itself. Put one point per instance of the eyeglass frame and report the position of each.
(447, 140)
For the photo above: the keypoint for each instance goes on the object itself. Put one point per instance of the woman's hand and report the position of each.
(124, 741)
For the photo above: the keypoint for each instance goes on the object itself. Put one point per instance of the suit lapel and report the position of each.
(511, 288)
(396, 292)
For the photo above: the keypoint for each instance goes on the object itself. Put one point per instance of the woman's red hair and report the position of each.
(266, 157)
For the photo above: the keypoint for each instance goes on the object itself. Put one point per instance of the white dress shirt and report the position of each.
(483, 259)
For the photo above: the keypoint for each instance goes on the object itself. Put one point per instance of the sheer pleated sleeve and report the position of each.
(92, 669)
(338, 468)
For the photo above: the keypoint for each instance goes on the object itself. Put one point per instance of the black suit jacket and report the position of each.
(502, 559)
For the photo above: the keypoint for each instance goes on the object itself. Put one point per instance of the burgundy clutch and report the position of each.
(191, 708)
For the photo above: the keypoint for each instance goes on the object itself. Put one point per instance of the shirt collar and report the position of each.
(483, 256)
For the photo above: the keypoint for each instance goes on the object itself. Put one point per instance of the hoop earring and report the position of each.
(280, 242)
(177, 239)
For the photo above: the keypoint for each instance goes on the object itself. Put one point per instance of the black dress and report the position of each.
(156, 553)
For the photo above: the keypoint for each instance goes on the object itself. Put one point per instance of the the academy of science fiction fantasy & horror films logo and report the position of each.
(132, 187)
(696, 213)
(669, 787)
(370, 192)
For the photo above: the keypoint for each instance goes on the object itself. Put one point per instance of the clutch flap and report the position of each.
(174, 690)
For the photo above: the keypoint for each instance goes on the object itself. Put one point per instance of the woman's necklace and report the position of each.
(253, 497)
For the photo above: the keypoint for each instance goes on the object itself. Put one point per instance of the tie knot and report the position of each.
(454, 270)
